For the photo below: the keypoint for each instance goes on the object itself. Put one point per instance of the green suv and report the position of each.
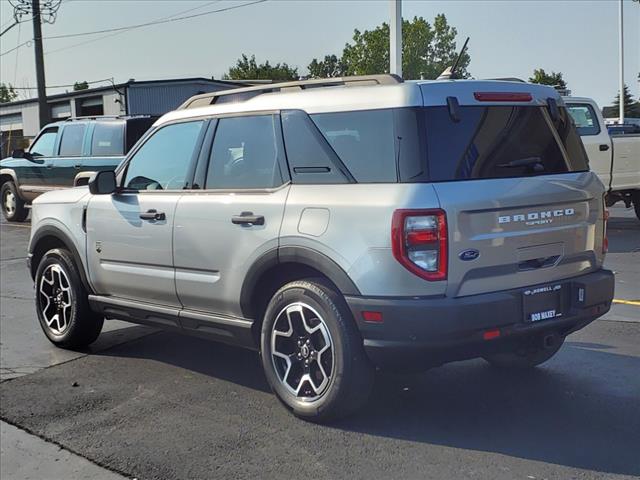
(65, 154)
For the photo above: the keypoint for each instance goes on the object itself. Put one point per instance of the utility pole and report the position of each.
(43, 108)
(395, 38)
(621, 52)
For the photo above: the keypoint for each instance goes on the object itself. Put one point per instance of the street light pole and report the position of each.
(621, 52)
(43, 108)
(395, 39)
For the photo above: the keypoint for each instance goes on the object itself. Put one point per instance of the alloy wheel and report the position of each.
(55, 297)
(302, 351)
(9, 202)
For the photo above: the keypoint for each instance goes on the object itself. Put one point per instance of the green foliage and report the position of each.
(331, 66)
(631, 107)
(426, 51)
(80, 86)
(7, 93)
(248, 69)
(554, 79)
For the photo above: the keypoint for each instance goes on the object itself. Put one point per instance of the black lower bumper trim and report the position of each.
(420, 332)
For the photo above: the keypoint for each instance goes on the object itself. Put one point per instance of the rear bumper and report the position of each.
(420, 332)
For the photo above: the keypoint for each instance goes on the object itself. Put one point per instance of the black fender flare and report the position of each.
(58, 234)
(298, 255)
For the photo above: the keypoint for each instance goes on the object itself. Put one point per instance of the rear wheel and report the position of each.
(524, 358)
(312, 352)
(636, 203)
(13, 207)
(62, 302)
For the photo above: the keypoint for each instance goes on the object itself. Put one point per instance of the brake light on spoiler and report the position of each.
(502, 96)
(419, 242)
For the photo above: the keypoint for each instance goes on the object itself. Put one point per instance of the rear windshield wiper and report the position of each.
(534, 162)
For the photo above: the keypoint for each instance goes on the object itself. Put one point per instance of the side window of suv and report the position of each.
(245, 153)
(72, 139)
(108, 139)
(165, 159)
(43, 146)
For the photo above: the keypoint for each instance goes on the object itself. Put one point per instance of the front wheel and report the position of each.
(13, 207)
(312, 352)
(62, 302)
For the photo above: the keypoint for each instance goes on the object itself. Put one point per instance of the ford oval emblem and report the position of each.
(468, 255)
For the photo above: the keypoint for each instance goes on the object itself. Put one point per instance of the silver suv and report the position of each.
(337, 226)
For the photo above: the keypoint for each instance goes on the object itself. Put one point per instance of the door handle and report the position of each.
(77, 166)
(247, 218)
(153, 214)
(604, 147)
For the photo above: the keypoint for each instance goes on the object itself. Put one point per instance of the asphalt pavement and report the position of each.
(147, 404)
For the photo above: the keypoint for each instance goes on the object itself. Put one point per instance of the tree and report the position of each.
(426, 51)
(80, 86)
(248, 69)
(631, 107)
(331, 66)
(7, 93)
(554, 79)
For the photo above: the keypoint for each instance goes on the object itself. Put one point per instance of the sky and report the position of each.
(508, 38)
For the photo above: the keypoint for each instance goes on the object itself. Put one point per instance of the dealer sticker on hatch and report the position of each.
(542, 303)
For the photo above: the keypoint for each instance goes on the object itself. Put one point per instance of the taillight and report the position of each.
(502, 97)
(419, 242)
(605, 219)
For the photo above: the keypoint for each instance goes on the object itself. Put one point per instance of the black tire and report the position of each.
(77, 325)
(636, 203)
(18, 212)
(350, 376)
(523, 359)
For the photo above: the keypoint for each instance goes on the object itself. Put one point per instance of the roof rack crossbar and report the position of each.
(382, 79)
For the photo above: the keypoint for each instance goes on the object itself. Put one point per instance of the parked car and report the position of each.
(337, 226)
(614, 153)
(65, 154)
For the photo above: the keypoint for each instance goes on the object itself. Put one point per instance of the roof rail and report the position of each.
(508, 79)
(100, 117)
(244, 93)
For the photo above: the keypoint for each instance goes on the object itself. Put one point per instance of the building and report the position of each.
(20, 122)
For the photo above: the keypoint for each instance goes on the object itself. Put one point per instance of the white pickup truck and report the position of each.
(614, 157)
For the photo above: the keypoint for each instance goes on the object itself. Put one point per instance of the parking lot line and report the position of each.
(635, 303)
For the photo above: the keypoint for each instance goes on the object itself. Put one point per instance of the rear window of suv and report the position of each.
(498, 142)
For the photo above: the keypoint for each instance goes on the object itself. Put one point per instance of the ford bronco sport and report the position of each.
(337, 226)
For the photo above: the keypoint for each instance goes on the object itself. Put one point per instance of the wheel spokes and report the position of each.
(302, 351)
(56, 298)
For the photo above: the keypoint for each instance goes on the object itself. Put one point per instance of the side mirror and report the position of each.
(22, 153)
(104, 183)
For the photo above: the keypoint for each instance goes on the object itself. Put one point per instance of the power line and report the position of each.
(131, 27)
(68, 85)
(125, 31)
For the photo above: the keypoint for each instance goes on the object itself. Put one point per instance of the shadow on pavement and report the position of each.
(574, 411)
(144, 406)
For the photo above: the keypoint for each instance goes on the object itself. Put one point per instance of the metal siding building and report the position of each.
(157, 98)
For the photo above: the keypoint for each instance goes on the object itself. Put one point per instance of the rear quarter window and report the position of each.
(108, 139)
(364, 141)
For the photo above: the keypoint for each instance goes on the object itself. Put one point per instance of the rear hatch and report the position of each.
(512, 176)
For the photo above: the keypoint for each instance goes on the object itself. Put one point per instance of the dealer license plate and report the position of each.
(542, 303)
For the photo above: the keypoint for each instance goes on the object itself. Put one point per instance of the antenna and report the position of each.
(450, 72)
